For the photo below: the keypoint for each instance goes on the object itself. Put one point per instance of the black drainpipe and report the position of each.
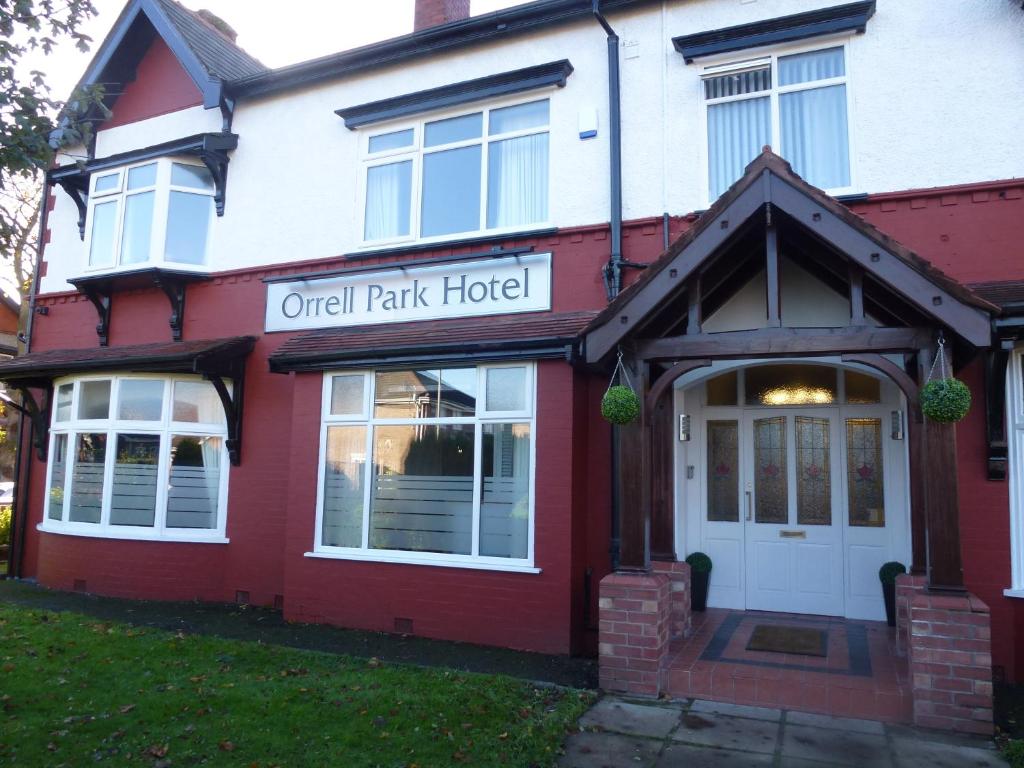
(613, 270)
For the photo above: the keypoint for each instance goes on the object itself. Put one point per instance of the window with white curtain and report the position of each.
(795, 103)
(428, 465)
(1015, 444)
(481, 171)
(140, 457)
(155, 213)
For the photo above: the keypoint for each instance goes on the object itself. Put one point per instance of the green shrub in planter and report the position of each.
(699, 562)
(945, 400)
(620, 405)
(888, 572)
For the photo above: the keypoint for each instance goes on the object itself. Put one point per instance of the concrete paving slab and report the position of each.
(608, 750)
(687, 756)
(737, 710)
(863, 750)
(633, 719)
(836, 723)
(917, 753)
(713, 730)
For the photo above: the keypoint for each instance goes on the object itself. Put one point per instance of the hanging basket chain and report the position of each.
(944, 399)
(620, 404)
(940, 360)
(620, 371)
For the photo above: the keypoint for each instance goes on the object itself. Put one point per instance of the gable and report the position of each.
(161, 85)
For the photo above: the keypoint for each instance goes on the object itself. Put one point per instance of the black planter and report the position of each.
(889, 593)
(699, 590)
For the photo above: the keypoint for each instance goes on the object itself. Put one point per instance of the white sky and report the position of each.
(309, 29)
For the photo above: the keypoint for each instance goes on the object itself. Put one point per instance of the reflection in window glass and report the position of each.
(94, 399)
(453, 129)
(58, 470)
(143, 176)
(393, 140)
(422, 494)
(721, 390)
(388, 200)
(86, 500)
(140, 400)
(813, 472)
(723, 471)
(344, 470)
(451, 191)
(798, 384)
(519, 117)
(137, 228)
(425, 394)
(193, 492)
(101, 245)
(133, 493)
(505, 497)
(195, 176)
(864, 472)
(506, 389)
(771, 501)
(64, 392)
(347, 394)
(862, 389)
(188, 224)
(196, 402)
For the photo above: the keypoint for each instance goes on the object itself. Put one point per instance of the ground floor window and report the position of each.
(1015, 439)
(137, 457)
(428, 465)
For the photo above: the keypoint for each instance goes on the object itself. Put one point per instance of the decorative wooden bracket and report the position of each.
(174, 290)
(996, 359)
(100, 299)
(38, 414)
(216, 160)
(77, 188)
(232, 402)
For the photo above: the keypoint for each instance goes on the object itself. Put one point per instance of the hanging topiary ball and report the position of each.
(945, 400)
(620, 405)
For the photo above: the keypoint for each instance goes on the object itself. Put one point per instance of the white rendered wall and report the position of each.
(936, 95)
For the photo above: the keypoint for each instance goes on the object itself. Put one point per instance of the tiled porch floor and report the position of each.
(862, 676)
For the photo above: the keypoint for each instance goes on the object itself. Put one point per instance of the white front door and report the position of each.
(792, 510)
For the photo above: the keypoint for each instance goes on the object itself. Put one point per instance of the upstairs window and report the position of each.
(150, 214)
(482, 171)
(795, 103)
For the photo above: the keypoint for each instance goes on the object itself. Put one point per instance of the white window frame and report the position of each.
(482, 417)
(1015, 473)
(162, 189)
(166, 428)
(415, 153)
(754, 59)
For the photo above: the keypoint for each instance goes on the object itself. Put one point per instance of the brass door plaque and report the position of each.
(792, 534)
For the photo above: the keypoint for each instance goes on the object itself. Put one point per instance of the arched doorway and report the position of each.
(792, 476)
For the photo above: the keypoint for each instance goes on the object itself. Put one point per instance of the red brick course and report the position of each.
(678, 573)
(635, 613)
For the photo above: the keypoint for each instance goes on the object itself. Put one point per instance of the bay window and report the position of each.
(137, 457)
(796, 103)
(482, 171)
(428, 466)
(154, 213)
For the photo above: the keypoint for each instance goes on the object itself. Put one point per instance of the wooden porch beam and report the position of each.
(634, 486)
(795, 342)
(856, 295)
(693, 315)
(773, 281)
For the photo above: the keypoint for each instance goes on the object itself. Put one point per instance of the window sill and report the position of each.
(412, 560)
(1018, 593)
(134, 536)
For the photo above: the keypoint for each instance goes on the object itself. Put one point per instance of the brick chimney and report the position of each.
(430, 13)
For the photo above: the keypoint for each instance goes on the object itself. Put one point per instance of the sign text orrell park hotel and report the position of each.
(491, 286)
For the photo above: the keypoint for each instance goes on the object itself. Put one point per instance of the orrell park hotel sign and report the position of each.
(455, 289)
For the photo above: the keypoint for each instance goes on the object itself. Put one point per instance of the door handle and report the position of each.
(750, 508)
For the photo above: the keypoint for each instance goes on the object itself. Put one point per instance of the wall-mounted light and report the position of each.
(896, 418)
(684, 428)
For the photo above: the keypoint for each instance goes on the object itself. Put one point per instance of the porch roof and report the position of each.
(770, 180)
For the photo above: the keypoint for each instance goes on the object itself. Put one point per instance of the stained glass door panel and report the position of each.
(864, 472)
(771, 491)
(813, 472)
(723, 471)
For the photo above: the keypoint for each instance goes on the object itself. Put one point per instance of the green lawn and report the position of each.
(75, 692)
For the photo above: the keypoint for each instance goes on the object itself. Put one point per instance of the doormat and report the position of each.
(796, 640)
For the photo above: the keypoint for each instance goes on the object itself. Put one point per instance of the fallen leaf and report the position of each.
(226, 746)
(127, 708)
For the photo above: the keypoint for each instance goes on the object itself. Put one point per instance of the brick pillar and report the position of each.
(633, 637)
(907, 586)
(951, 662)
(678, 573)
